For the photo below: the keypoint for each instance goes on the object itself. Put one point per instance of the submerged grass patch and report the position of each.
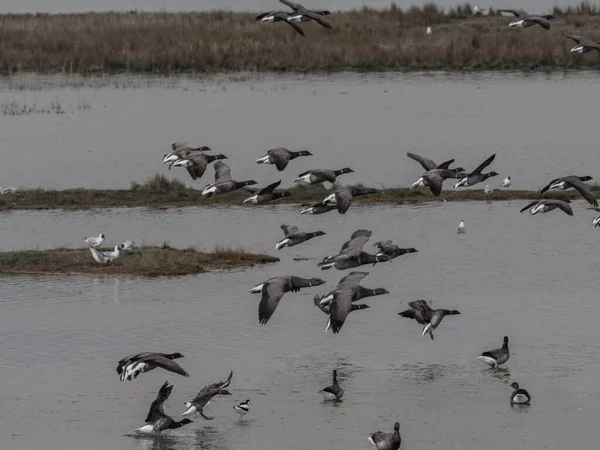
(159, 192)
(145, 261)
(364, 40)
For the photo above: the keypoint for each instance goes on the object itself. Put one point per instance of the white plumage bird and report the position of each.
(461, 228)
(95, 241)
(506, 183)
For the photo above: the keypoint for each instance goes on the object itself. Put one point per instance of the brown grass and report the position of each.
(145, 261)
(159, 192)
(366, 39)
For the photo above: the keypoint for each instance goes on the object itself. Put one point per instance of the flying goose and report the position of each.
(123, 363)
(574, 182)
(150, 362)
(392, 250)
(429, 165)
(281, 157)
(266, 194)
(424, 314)
(386, 441)
(223, 181)
(157, 421)
(317, 176)
(7, 190)
(273, 289)
(317, 208)
(342, 197)
(476, 176)
(334, 392)
(294, 237)
(279, 16)
(584, 45)
(340, 305)
(525, 19)
(105, 257)
(496, 357)
(434, 179)
(242, 408)
(205, 395)
(302, 14)
(544, 206)
(196, 163)
(95, 241)
(350, 281)
(519, 396)
(351, 254)
(182, 151)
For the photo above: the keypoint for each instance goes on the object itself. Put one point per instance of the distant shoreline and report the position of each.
(364, 40)
(147, 261)
(159, 192)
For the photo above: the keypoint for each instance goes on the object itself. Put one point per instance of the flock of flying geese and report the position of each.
(523, 19)
(341, 301)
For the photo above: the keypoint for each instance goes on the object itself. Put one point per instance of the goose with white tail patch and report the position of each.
(519, 396)
(223, 181)
(386, 441)
(267, 194)
(425, 315)
(150, 362)
(334, 392)
(429, 165)
(157, 421)
(203, 398)
(544, 206)
(525, 20)
(196, 164)
(128, 360)
(180, 150)
(495, 358)
(351, 254)
(476, 176)
(280, 157)
(317, 176)
(317, 208)
(584, 45)
(573, 182)
(390, 249)
(342, 197)
(294, 237)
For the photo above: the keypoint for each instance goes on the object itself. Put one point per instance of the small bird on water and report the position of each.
(461, 228)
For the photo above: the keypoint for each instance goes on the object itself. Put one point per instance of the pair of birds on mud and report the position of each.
(297, 15)
(107, 256)
(130, 367)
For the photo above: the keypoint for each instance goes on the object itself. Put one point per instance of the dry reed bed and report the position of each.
(159, 192)
(366, 39)
(145, 261)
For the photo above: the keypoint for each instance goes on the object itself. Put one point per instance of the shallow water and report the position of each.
(531, 278)
(114, 130)
(61, 6)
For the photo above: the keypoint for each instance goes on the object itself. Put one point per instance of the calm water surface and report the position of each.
(531, 278)
(115, 130)
(61, 6)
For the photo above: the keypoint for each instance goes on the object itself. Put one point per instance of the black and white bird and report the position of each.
(425, 315)
(317, 176)
(273, 289)
(197, 163)
(106, 256)
(181, 150)
(434, 179)
(519, 396)
(132, 366)
(280, 157)
(196, 406)
(525, 20)
(267, 194)
(386, 441)
(429, 165)
(95, 241)
(476, 176)
(242, 408)
(293, 236)
(575, 182)
(334, 392)
(302, 14)
(223, 181)
(544, 206)
(157, 421)
(461, 229)
(497, 356)
(506, 182)
(584, 45)
(351, 254)
(390, 249)
(342, 197)
(596, 222)
(317, 208)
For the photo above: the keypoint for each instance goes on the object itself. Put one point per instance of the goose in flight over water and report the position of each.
(429, 165)
(544, 206)
(476, 176)
(392, 250)
(280, 157)
(157, 421)
(294, 237)
(223, 181)
(425, 315)
(196, 163)
(128, 360)
(575, 182)
(342, 197)
(317, 176)
(197, 405)
(266, 194)
(351, 254)
(148, 362)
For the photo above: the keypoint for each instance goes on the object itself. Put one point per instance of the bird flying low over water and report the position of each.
(266, 194)
(544, 206)
(317, 176)
(130, 367)
(196, 164)
(294, 237)
(476, 176)
(392, 250)
(575, 182)
(351, 254)
(157, 421)
(342, 197)
(425, 315)
(223, 181)
(180, 150)
(280, 157)
(196, 406)
(430, 166)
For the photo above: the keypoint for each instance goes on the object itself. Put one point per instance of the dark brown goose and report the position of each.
(280, 157)
(351, 254)
(223, 181)
(196, 163)
(197, 405)
(342, 197)
(157, 421)
(280, 16)
(575, 182)
(267, 194)
(293, 236)
(544, 206)
(425, 315)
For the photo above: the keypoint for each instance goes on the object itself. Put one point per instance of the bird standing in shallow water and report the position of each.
(461, 228)
(519, 396)
(334, 392)
(242, 408)
(387, 441)
(497, 356)
(157, 421)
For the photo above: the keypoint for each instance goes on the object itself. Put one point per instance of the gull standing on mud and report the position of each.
(105, 257)
(280, 157)
(506, 183)
(128, 246)
(95, 241)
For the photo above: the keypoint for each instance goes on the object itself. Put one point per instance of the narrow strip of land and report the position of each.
(158, 192)
(144, 261)
(360, 40)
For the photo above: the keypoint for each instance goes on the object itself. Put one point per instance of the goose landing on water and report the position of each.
(495, 358)
(141, 364)
(157, 421)
(203, 398)
(128, 360)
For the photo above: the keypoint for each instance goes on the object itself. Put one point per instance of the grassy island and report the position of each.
(159, 192)
(143, 261)
(361, 40)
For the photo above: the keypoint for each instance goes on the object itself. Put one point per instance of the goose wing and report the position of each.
(215, 387)
(575, 38)
(222, 171)
(130, 359)
(272, 292)
(178, 145)
(583, 189)
(316, 17)
(292, 5)
(545, 188)
(382, 244)
(484, 164)
(434, 181)
(156, 408)
(352, 278)
(339, 309)
(343, 198)
(282, 164)
(540, 21)
(515, 12)
(423, 308)
(164, 363)
(445, 164)
(426, 163)
(531, 205)
(280, 155)
(358, 239)
(270, 188)
(289, 229)
(564, 206)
